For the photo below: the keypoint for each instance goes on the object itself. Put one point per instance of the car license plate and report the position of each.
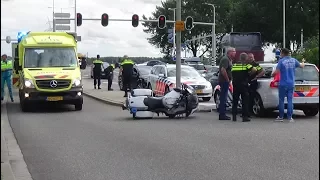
(302, 88)
(55, 98)
(198, 91)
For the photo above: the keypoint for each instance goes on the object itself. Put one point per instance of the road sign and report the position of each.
(62, 28)
(170, 31)
(62, 15)
(62, 21)
(179, 26)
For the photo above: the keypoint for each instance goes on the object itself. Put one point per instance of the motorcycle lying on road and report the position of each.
(142, 104)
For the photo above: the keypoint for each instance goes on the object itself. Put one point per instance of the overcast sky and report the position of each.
(117, 39)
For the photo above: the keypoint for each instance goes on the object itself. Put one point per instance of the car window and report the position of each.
(198, 66)
(162, 71)
(267, 71)
(157, 70)
(214, 69)
(144, 70)
(185, 72)
(308, 73)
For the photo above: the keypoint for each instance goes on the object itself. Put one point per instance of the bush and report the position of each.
(311, 51)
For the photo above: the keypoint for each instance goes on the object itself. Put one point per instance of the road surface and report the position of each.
(102, 142)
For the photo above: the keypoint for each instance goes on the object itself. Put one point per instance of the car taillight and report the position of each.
(275, 82)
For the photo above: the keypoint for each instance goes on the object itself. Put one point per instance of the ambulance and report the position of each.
(46, 69)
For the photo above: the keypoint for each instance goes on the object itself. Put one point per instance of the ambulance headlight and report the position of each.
(28, 83)
(77, 82)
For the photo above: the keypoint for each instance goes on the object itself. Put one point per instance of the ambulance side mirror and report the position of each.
(16, 64)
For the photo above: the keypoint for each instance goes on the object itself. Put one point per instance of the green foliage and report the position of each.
(245, 16)
(310, 52)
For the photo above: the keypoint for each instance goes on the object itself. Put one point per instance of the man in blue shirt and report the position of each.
(286, 67)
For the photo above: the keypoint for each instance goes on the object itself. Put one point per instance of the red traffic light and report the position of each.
(162, 22)
(79, 19)
(135, 17)
(161, 18)
(104, 19)
(135, 20)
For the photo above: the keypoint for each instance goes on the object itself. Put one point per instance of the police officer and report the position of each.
(6, 76)
(97, 68)
(127, 70)
(253, 83)
(240, 73)
(109, 74)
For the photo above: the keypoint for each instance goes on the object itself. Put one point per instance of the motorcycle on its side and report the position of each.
(142, 104)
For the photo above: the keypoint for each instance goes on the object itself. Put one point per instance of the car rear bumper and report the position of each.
(72, 96)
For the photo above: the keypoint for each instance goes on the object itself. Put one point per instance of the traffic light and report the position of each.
(135, 20)
(79, 19)
(189, 23)
(162, 22)
(104, 19)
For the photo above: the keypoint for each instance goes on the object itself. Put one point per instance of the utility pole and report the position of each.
(214, 49)
(75, 16)
(178, 51)
(53, 21)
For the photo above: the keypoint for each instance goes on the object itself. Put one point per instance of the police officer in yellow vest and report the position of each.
(109, 74)
(127, 70)
(240, 73)
(6, 76)
(97, 69)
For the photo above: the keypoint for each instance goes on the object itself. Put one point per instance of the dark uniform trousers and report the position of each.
(109, 74)
(97, 72)
(253, 85)
(240, 74)
(127, 70)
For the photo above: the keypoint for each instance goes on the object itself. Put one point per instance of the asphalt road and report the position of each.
(102, 142)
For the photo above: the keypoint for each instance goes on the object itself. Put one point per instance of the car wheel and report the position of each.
(216, 98)
(120, 84)
(311, 111)
(206, 99)
(257, 106)
(171, 116)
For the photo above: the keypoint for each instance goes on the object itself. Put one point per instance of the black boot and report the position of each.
(95, 87)
(246, 119)
(234, 117)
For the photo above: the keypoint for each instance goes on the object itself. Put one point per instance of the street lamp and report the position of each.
(213, 32)
(174, 29)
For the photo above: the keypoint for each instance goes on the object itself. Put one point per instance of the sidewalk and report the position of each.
(13, 166)
(116, 97)
(109, 97)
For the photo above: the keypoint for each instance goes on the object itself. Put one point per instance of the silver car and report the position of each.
(306, 94)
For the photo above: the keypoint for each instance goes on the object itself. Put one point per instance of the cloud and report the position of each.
(117, 39)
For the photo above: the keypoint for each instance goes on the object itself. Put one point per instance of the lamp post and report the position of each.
(284, 23)
(213, 32)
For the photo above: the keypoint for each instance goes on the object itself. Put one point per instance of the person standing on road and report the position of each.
(253, 83)
(109, 74)
(240, 73)
(224, 81)
(97, 68)
(127, 71)
(286, 67)
(6, 76)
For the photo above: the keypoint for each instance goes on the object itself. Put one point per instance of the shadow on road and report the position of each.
(155, 117)
(42, 108)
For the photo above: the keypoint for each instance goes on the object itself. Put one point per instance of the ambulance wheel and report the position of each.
(78, 106)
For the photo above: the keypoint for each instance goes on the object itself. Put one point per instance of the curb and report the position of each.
(106, 101)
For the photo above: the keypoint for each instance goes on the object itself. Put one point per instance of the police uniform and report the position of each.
(6, 77)
(97, 68)
(109, 74)
(127, 70)
(240, 74)
(253, 83)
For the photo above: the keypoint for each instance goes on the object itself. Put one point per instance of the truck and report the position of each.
(46, 69)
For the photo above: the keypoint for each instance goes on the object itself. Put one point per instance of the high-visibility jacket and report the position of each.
(127, 67)
(240, 73)
(97, 65)
(6, 65)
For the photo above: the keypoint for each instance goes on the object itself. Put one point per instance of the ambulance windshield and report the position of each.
(50, 57)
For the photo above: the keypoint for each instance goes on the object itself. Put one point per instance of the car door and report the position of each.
(160, 83)
(153, 77)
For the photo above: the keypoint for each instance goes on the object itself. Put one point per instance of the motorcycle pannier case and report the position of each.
(141, 92)
(137, 102)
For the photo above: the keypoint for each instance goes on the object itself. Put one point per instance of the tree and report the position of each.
(200, 13)
(311, 51)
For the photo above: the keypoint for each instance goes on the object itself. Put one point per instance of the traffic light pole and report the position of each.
(178, 46)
